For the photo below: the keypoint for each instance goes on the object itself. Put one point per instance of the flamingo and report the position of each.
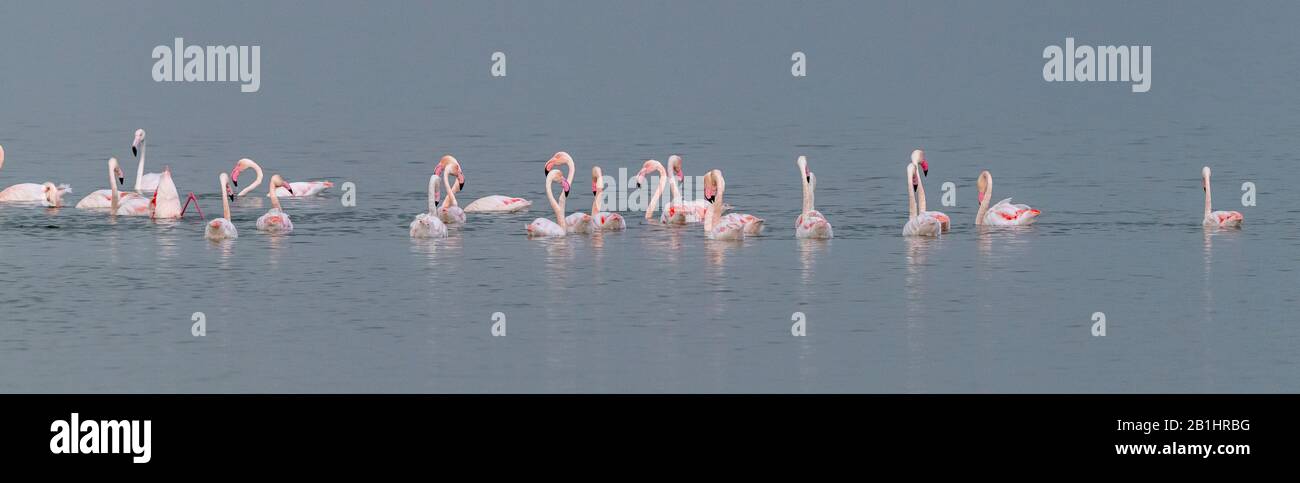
(427, 225)
(604, 220)
(222, 228)
(496, 203)
(165, 202)
(810, 223)
(104, 198)
(47, 193)
(297, 189)
(1221, 219)
(143, 181)
(923, 166)
(276, 221)
(578, 222)
(543, 227)
(450, 213)
(680, 210)
(716, 226)
(646, 168)
(1003, 213)
(919, 223)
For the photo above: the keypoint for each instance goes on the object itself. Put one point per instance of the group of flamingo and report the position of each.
(443, 211)
(155, 194)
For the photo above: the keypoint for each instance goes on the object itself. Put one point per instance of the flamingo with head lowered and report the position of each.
(578, 222)
(496, 203)
(1002, 213)
(603, 220)
(297, 189)
(679, 210)
(276, 221)
(543, 227)
(222, 228)
(919, 223)
(47, 193)
(810, 223)
(450, 213)
(164, 204)
(1221, 219)
(428, 225)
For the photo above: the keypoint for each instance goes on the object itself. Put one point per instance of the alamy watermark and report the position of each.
(213, 63)
(1106, 63)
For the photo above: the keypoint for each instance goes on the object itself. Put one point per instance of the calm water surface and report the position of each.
(349, 303)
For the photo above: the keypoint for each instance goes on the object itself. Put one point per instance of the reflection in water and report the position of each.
(809, 251)
(166, 238)
(227, 250)
(914, 313)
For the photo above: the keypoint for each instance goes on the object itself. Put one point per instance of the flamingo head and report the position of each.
(646, 168)
(564, 183)
(802, 162)
(241, 165)
(135, 144)
(596, 178)
(1205, 178)
(278, 181)
(712, 185)
(675, 167)
(911, 174)
(559, 158)
(52, 194)
(918, 158)
(982, 186)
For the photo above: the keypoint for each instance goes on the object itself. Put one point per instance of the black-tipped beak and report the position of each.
(133, 151)
(462, 185)
(231, 196)
(235, 182)
(288, 188)
(546, 170)
(709, 199)
(593, 192)
(807, 178)
(925, 172)
(121, 180)
(436, 203)
(566, 193)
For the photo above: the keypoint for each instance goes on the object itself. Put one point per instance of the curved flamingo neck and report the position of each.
(714, 215)
(984, 202)
(275, 200)
(807, 195)
(139, 166)
(659, 191)
(450, 200)
(555, 205)
(257, 168)
(433, 194)
(920, 195)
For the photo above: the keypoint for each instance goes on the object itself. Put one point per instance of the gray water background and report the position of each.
(372, 93)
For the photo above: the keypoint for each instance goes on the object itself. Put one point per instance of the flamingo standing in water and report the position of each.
(450, 213)
(543, 227)
(923, 167)
(578, 222)
(297, 189)
(733, 226)
(919, 223)
(222, 228)
(276, 221)
(496, 203)
(1003, 213)
(47, 193)
(604, 220)
(810, 223)
(679, 210)
(1221, 219)
(105, 198)
(428, 225)
(143, 181)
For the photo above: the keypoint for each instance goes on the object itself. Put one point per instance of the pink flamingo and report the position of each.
(222, 228)
(276, 221)
(104, 198)
(1003, 213)
(1221, 219)
(298, 189)
(810, 223)
(543, 227)
(919, 223)
(604, 220)
(47, 193)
